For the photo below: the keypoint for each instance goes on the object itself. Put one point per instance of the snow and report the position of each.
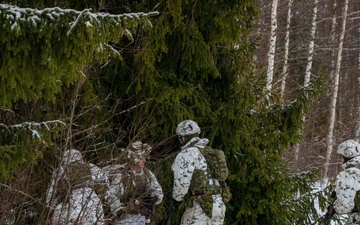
(34, 127)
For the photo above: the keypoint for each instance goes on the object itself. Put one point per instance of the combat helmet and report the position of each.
(349, 149)
(137, 151)
(71, 156)
(188, 127)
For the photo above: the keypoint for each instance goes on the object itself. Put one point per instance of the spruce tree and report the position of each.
(42, 52)
(196, 62)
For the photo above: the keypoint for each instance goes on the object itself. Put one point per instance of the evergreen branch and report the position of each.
(45, 49)
(35, 128)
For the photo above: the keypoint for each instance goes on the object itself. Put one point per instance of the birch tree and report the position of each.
(332, 39)
(284, 72)
(272, 48)
(357, 129)
(334, 93)
(309, 60)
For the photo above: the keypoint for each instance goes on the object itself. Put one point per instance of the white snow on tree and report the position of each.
(41, 50)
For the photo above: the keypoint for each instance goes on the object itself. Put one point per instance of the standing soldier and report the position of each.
(348, 182)
(75, 192)
(134, 191)
(191, 180)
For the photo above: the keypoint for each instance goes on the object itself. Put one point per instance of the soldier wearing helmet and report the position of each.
(76, 190)
(348, 182)
(189, 160)
(134, 190)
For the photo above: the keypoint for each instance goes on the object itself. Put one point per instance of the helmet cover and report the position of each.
(71, 156)
(138, 151)
(188, 127)
(349, 149)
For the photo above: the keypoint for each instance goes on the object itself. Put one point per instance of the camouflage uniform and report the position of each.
(348, 183)
(72, 196)
(130, 192)
(186, 162)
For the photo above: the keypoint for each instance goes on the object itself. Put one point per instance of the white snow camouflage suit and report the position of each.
(119, 190)
(189, 159)
(82, 205)
(347, 184)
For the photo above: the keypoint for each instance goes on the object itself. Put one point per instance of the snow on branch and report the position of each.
(39, 48)
(36, 128)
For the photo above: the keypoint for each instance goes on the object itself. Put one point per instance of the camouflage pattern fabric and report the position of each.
(216, 161)
(226, 194)
(76, 175)
(82, 205)
(127, 191)
(131, 219)
(347, 185)
(187, 162)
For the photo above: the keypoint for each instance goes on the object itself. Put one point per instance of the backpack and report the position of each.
(76, 175)
(216, 161)
(199, 188)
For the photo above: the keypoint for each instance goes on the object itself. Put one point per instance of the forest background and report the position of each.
(272, 83)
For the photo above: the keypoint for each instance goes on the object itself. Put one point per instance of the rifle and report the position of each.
(329, 214)
(330, 211)
(174, 206)
(168, 222)
(149, 206)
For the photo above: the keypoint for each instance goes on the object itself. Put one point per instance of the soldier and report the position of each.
(348, 182)
(206, 204)
(75, 192)
(134, 191)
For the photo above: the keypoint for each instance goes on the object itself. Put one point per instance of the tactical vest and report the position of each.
(216, 161)
(216, 169)
(76, 175)
(200, 190)
(135, 189)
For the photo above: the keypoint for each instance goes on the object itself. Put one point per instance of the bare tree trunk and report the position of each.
(272, 48)
(332, 40)
(284, 72)
(309, 60)
(357, 131)
(334, 94)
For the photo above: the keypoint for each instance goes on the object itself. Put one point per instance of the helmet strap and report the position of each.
(186, 139)
(346, 159)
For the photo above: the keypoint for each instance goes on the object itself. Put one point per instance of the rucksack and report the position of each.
(216, 161)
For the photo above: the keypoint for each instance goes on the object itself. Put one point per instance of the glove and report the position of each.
(175, 205)
(329, 214)
(119, 213)
(333, 194)
(149, 200)
(149, 205)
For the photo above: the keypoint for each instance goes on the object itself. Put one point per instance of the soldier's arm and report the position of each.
(345, 192)
(183, 168)
(112, 195)
(156, 190)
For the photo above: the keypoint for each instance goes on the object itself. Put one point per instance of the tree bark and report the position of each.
(309, 60)
(272, 48)
(284, 73)
(334, 94)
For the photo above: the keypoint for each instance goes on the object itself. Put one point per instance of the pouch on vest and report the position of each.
(198, 183)
(206, 203)
(216, 161)
(136, 188)
(356, 202)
